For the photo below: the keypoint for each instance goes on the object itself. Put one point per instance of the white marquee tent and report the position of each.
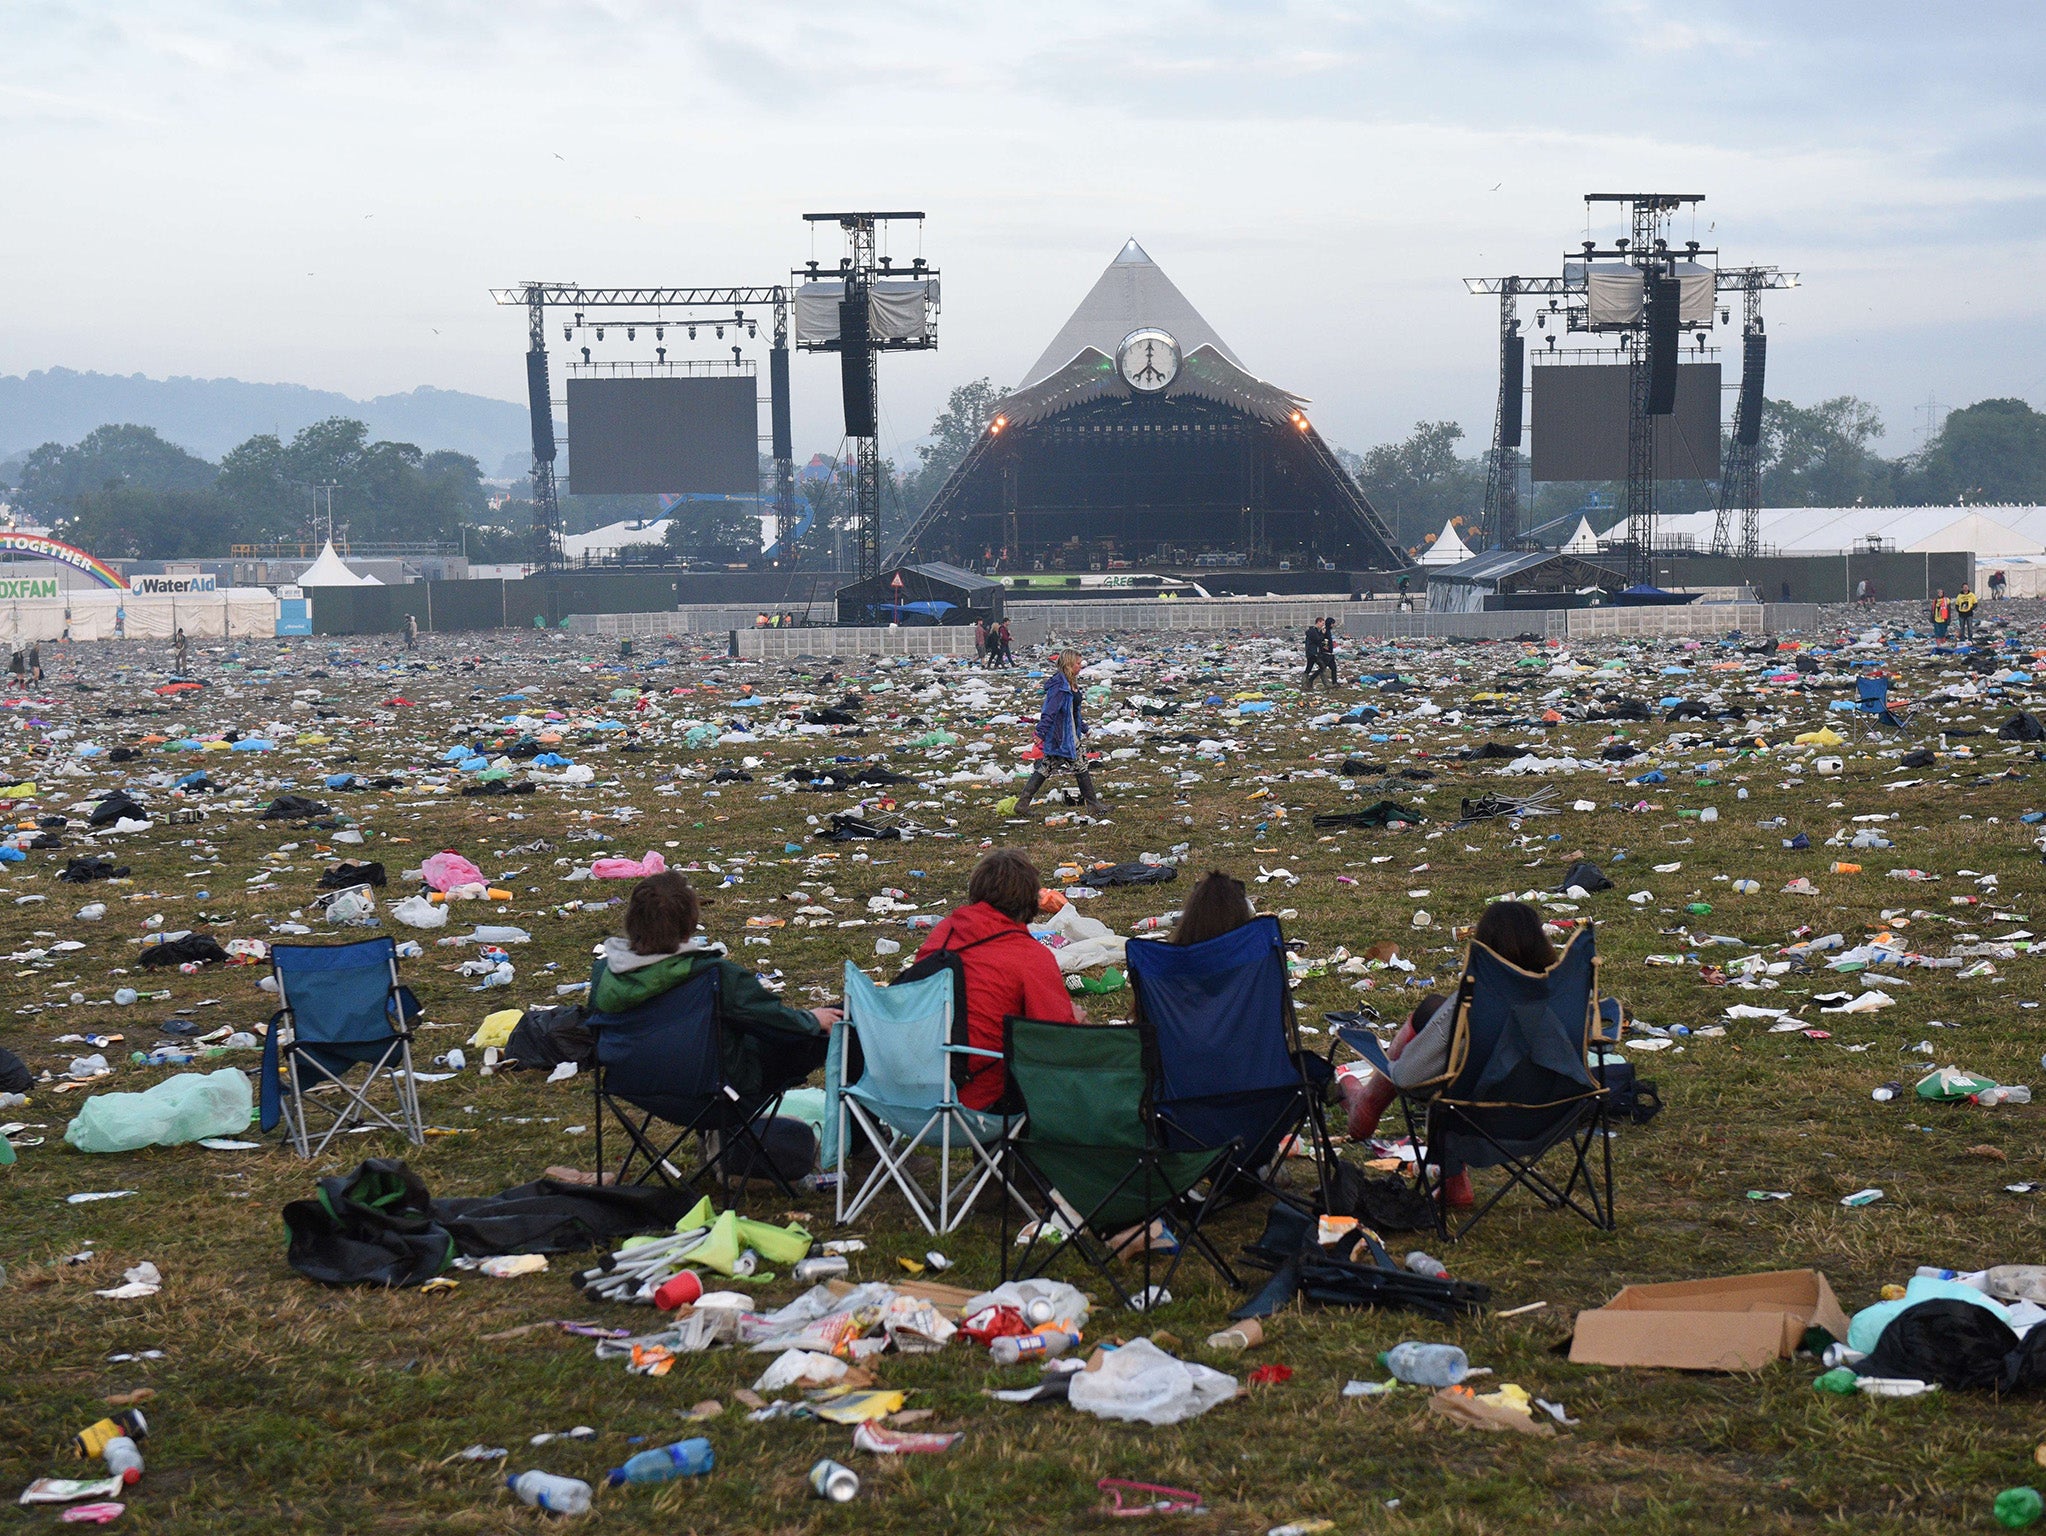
(1447, 549)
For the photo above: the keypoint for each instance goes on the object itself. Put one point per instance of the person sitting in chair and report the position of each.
(767, 1045)
(1512, 930)
(1217, 905)
(1007, 971)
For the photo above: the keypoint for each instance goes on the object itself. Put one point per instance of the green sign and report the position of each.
(27, 586)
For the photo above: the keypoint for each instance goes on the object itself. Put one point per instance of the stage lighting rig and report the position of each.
(1639, 291)
(628, 307)
(865, 308)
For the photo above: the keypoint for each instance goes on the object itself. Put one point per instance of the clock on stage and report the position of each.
(1148, 359)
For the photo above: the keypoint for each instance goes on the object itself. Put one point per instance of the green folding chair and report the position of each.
(1092, 1155)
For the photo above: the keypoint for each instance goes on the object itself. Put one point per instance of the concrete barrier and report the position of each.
(785, 644)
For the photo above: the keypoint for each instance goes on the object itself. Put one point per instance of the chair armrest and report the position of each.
(970, 1050)
(1365, 1044)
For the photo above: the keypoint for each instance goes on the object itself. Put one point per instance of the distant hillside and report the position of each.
(209, 416)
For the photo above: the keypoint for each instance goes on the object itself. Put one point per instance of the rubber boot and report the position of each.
(1030, 791)
(1094, 801)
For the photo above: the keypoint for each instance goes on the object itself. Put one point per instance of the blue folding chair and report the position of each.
(1517, 1085)
(1872, 694)
(342, 1007)
(663, 1062)
(893, 1079)
(1230, 1064)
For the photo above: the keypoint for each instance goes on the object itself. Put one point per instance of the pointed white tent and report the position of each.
(328, 571)
(1447, 549)
(1583, 541)
(1131, 294)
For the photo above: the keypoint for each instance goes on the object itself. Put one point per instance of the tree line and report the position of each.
(123, 491)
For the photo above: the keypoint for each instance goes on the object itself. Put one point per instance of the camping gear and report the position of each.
(1094, 1150)
(1516, 1085)
(1230, 1063)
(889, 1070)
(342, 1007)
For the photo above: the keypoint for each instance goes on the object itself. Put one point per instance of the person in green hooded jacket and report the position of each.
(767, 1045)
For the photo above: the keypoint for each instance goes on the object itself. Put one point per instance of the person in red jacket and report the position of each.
(1007, 971)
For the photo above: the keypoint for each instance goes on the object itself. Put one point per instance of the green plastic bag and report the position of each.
(179, 1109)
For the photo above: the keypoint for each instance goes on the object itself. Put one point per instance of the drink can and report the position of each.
(834, 1481)
(829, 1267)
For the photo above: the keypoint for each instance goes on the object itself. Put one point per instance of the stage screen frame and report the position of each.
(1579, 423)
(647, 436)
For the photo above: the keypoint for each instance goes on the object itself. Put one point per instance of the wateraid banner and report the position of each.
(171, 586)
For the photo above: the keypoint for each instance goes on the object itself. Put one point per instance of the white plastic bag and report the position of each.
(177, 1110)
(1141, 1382)
(418, 912)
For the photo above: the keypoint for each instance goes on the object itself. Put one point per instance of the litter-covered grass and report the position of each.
(284, 1407)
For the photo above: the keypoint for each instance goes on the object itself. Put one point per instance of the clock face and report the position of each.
(1148, 360)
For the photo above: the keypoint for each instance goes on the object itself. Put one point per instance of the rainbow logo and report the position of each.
(36, 546)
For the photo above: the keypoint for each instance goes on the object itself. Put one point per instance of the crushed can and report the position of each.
(834, 1481)
(829, 1267)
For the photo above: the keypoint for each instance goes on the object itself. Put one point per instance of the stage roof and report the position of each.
(1132, 293)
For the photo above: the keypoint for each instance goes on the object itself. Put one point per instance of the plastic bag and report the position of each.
(1143, 1383)
(177, 1110)
(629, 869)
(448, 869)
(418, 912)
(356, 907)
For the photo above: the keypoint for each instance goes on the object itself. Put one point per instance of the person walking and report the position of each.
(1964, 609)
(179, 650)
(1328, 651)
(17, 667)
(35, 661)
(1861, 592)
(411, 632)
(1005, 656)
(1996, 585)
(1942, 613)
(1313, 642)
(980, 642)
(1059, 732)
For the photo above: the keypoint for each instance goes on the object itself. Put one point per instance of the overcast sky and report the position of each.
(322, 191)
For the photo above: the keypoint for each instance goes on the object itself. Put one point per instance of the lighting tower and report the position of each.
(853, 338)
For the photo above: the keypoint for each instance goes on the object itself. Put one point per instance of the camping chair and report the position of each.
(1230, 1064)
(342, 1007)
(662, 1062)
(1517, 1085)
(1093, 1149)
(894, 1081)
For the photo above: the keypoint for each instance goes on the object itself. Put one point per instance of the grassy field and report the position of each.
(282, 1406)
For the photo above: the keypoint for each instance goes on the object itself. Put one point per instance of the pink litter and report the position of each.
(628, 869)
(444, 871)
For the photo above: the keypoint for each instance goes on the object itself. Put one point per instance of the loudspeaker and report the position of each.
(542, 406)
(1747, 420)
(1512, 369)
(1663, 294)
(856, 367)
(778, 403)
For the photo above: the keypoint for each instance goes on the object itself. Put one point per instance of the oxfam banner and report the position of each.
(13, 590)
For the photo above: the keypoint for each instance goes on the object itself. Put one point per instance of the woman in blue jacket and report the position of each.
(1059, 729)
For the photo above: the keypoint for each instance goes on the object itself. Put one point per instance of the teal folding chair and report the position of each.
(891, 1078)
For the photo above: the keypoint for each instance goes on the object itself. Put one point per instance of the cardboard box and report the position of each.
(1736, 1323)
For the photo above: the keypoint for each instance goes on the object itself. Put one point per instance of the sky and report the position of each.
(323, 191)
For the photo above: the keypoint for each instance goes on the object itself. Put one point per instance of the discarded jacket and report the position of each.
(295, 808)
(192, 949)
(1378, 814)
(352, 872)
(380, 1226)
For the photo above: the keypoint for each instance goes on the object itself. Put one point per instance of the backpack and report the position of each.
(964, 1068)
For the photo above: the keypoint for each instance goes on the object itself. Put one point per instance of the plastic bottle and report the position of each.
(558, 1495)
(1426, 1365)
(1420, 1263)
(2014, 1093)
(1032, 1346)
(685, 1458)
(123, 1459)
